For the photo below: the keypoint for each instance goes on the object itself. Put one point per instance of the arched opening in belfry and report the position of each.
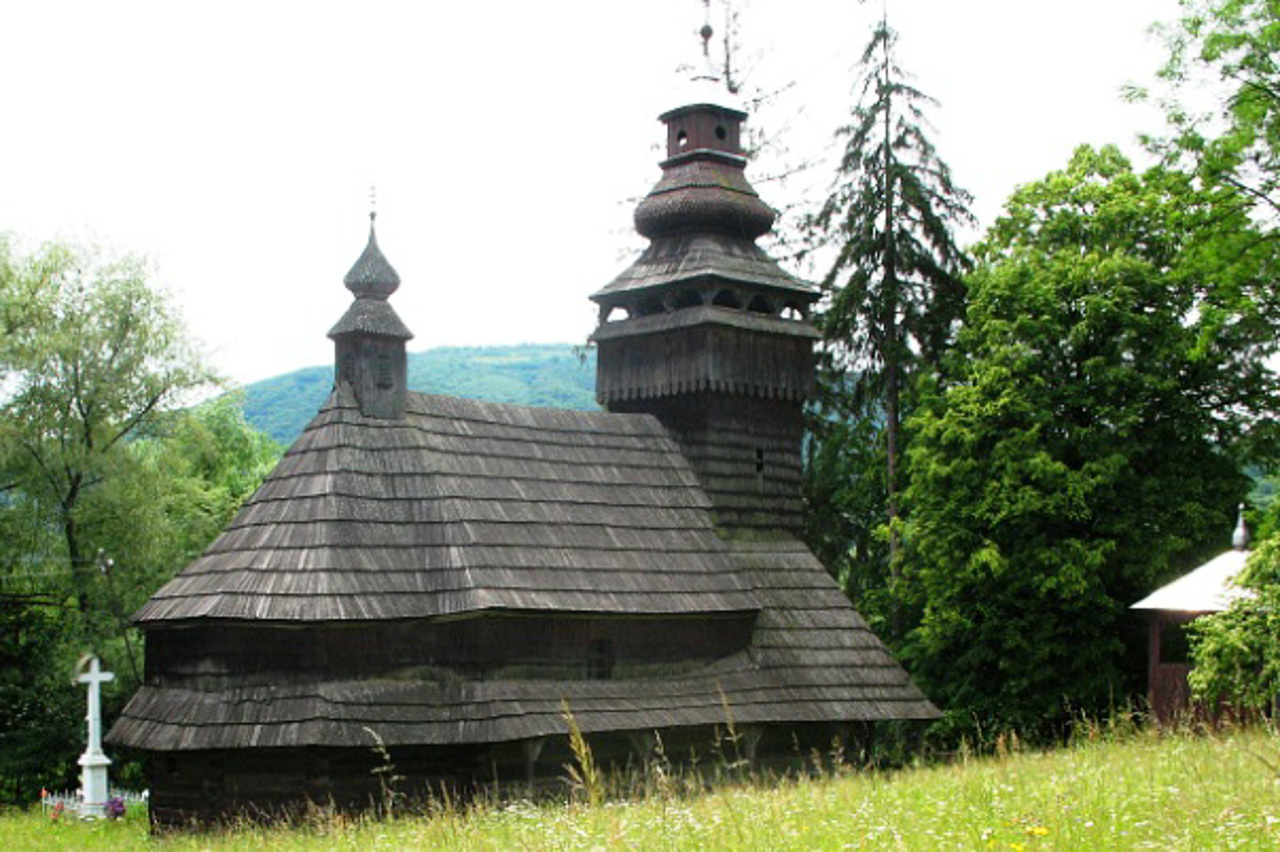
(727, 299)
(687, 299)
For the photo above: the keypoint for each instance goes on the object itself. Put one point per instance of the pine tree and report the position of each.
(894, 289)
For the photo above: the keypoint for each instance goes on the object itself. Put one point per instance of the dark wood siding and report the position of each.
(510, 646)
(745, 451)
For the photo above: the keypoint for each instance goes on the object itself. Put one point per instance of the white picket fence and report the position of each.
(70, 800)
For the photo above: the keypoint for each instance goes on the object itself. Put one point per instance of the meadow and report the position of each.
(1136, 789)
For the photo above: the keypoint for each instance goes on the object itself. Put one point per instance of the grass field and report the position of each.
(1135, 791)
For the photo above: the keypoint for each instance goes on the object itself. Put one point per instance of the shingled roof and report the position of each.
(464, 506)
(811, 659)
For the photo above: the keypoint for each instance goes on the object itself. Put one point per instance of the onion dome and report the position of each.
(369, 339)
(372, 277)
(703, 190)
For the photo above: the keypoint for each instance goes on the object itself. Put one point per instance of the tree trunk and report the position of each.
(71, 533)
(890, 342)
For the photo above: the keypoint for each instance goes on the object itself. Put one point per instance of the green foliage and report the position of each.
(894, 285)
(550, 376)
(1234, 43)
(845, 501)
(106, 488)
(41, 713)
(90, 358)
(172, 491)
(1112, 358)
(893, 295)
(1237, 652)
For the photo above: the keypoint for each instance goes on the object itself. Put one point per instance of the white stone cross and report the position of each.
(93, 778)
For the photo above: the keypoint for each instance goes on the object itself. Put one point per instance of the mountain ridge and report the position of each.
(544, 375)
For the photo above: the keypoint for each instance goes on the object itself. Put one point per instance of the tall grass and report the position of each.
(1108, 790)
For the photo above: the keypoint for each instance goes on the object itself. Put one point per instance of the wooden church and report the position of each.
(443, 577)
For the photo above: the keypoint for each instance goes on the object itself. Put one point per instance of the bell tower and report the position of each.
(369, 340)
(705, 330)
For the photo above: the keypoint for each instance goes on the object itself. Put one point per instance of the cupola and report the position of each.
(369, 340)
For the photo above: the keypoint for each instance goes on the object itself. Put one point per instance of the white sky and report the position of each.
(234, 144)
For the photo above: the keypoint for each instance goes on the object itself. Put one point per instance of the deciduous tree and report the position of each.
(108, 487)
(91, 357)
(1237, 652)
(1113, 357)
(1232, 46)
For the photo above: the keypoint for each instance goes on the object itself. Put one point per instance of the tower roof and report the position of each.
(372, 277)
(703, 216)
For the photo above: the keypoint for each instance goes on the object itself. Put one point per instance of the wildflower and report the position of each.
(56, 812)
(115, 807)
(1037, 830)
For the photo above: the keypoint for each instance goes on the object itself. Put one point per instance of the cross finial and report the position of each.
(373, 203)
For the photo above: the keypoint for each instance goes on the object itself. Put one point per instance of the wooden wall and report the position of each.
(197, 788)
(745, 451)
(210, 656)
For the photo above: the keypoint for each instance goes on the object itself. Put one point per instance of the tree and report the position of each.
(893, 294)
(91, 357)
(106, 487)
(1112, 360)
(1234, 43)
(1237, 652)
(171, 492)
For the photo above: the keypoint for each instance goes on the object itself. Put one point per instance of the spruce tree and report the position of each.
(894, 290)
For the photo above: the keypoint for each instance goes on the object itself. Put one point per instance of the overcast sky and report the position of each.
(234, 144)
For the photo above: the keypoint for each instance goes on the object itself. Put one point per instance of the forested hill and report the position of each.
(546, 375)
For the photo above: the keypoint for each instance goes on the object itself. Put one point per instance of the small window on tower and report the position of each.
(720, 132)
(682, 139)
(384, 372)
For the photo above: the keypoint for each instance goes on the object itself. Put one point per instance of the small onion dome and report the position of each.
(1240, 538)
(372, 276)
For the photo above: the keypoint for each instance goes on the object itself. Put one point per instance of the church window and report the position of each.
(600, 658)
(384, 372)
